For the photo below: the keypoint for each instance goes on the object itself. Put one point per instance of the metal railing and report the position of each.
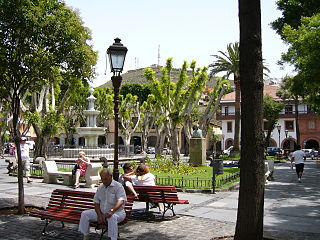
(198, 183)
(92, 152)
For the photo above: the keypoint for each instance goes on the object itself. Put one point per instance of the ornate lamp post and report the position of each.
(117, 54)
(279, 129)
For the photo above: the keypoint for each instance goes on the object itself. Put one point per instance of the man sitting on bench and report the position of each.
(109, 201)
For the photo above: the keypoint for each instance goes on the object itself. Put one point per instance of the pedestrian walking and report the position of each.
(25, 158)
(298, 157)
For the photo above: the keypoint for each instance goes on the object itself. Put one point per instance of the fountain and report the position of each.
(91, 133)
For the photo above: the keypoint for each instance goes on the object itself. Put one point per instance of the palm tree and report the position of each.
(229, 63)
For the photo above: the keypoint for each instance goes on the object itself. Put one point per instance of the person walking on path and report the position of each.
(299, 157)
(25, 158)
(109, 207)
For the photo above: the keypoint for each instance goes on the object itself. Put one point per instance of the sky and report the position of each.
(181, 29)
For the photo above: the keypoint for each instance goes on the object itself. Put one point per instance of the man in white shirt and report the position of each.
(25, 158)
(109, 201)
(299, 157)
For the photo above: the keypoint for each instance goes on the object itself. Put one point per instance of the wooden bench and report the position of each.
(51, 173)
(167, 195)
(67, 206)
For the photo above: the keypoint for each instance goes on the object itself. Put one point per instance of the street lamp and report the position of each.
(287, 144)
(117, 54)
(279, 129)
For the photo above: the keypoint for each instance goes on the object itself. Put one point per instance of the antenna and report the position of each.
(159, 55)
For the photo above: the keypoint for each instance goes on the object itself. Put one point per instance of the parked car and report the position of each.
(272, 151)
(151, 150)
(227, 151)
(310, 153)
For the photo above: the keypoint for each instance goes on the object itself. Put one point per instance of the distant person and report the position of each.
(25, 158)
(109, 203)
(143, 176)
(298, 157)
(81, 168)
(127, 182)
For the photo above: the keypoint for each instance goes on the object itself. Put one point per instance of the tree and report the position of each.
(251, 193)
(129, 116)
(271, 110)
(40, 40)
(148, 118)
(176, 100)
(142, 91)
(304, 55)
(229, 62)
(292, 11)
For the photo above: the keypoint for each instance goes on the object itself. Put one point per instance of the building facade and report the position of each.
(285, 134)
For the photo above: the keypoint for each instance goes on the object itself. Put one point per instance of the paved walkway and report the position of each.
(292, 211)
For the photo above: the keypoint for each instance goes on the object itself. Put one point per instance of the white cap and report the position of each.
(23, 139)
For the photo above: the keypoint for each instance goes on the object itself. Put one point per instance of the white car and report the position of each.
(310, 153)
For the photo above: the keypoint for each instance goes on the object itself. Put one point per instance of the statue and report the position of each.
(197, 132)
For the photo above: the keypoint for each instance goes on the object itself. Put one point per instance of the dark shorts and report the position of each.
(299, 167)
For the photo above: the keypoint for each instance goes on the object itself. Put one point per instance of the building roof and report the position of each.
(267, 90)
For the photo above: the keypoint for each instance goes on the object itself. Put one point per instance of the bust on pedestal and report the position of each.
(197, 147)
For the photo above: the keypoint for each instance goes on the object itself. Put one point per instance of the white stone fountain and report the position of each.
(91, 132)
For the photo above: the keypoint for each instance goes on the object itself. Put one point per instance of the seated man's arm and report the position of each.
(118, 204)
(99, 213)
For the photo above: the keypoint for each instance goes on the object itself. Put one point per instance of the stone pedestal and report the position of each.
(197, 151)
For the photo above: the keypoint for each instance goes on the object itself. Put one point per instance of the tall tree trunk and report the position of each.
(251, 193)
(236, 143)
(175, 145)
(296, 103)
(16, 134)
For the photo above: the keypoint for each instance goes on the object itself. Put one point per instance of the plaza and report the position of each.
(291, 211)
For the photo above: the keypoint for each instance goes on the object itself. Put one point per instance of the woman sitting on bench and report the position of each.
(81, 169)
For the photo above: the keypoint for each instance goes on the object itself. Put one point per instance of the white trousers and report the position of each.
(26, 167)
(88, 216)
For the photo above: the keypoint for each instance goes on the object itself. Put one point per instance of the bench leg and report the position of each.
(45, 226)
(166, 207)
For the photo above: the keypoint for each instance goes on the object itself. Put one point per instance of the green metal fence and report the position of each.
(198, 183)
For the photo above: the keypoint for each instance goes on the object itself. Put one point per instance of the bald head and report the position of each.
(106, 177)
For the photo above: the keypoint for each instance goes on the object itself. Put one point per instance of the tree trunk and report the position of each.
(41, 143)
(251, 193)
(16, 133)
(175, 145)
(236, 144)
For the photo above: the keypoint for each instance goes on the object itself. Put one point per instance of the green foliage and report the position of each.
(292, 11)
(228, 62)
(136, 89)
(104, 103)
(271, 111)
(304, 55)
(165, 165)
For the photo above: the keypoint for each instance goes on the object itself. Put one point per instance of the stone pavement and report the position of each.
(292, 211)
